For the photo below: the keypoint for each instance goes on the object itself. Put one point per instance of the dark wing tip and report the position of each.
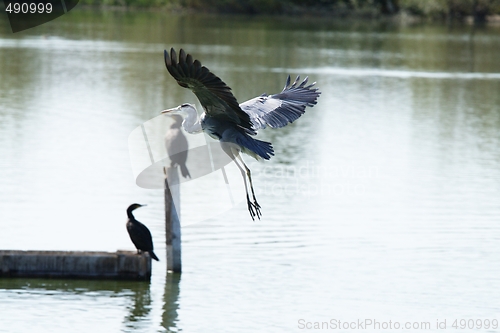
(189, 60)
(182, 54)
(173, 55)
(168, 62)
(287, 83)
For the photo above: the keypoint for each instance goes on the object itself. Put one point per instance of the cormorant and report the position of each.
(139, 233)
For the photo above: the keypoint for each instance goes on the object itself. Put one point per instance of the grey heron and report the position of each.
(176, 145)
(139, 233)
(234, 124)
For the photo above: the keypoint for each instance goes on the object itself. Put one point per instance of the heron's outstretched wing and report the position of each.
(279, 110)
(214, 95)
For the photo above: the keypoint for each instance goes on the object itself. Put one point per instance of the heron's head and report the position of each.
(183, 110)
(187, 112)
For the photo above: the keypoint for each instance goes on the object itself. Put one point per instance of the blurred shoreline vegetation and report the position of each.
(450, 10)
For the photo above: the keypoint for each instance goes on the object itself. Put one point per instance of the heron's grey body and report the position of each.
(139, 233)
(234, 136)
(231, 123)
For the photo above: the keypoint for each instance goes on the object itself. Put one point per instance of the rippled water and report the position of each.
(382, 202)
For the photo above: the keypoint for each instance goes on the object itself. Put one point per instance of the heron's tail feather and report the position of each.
(255, 148)
(184, 171)
(153, 255)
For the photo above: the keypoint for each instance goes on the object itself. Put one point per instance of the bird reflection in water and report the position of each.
(141, 306)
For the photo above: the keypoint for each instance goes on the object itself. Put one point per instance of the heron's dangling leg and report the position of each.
(253, 207)
(249, 175)
(233, 153)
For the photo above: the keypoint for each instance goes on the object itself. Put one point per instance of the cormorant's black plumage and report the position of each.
(139, 233)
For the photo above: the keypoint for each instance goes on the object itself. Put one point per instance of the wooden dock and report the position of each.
(120, 265)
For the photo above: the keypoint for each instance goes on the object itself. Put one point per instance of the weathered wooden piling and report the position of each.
(120, 265)
(172, 220)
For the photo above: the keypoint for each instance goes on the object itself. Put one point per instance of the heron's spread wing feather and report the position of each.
(214, 95)
(279, 110)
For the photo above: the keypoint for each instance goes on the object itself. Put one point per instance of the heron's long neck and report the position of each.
(191, 123)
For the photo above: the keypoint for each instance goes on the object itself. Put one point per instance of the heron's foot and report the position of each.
(254, 209)
(257, 206)
(257, 209)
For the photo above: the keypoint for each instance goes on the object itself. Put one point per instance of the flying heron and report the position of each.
(231, 123)
(139, 233)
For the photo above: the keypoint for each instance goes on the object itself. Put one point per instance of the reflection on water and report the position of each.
(141, 306)
(171, 303)
(382, 201)
(109, 296)
(133, 296)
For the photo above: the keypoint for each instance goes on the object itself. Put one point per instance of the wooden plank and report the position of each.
(120, 265)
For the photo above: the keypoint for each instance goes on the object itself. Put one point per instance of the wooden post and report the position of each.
(172, 220)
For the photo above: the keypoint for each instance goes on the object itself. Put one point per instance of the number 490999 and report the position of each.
(26, 8)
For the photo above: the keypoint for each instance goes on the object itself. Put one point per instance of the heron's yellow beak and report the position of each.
(171, 110)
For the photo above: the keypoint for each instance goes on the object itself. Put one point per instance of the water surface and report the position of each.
(382, 202)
